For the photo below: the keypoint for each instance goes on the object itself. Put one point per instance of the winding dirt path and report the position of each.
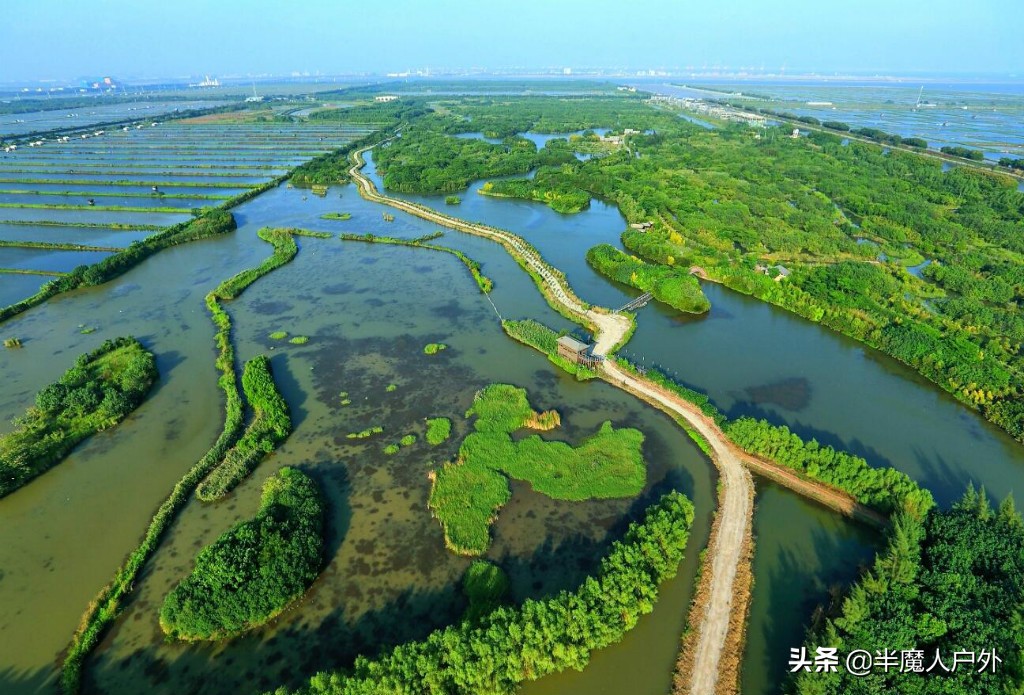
(733, 523)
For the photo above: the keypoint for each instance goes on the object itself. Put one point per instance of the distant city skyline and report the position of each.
(53, 40)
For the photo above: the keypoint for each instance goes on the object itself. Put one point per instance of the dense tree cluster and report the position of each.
(965, 152)
(511, 646)
(425, 161)
(737, 205)
(255, 569)
(99, 391)
(952, 582)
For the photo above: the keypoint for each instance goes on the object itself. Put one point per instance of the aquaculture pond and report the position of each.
(66, 191)
(15, 124)
(976, 115)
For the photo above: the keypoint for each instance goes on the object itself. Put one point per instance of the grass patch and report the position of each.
(434, 348)
(299, 340)
(391, 449)
(408, 440)
(452, 200)
(336, 216)
(467, 494)
(279, 335)
(539, 336)
(391, 388)
(12, 342)
(368, 432)
(438, 430)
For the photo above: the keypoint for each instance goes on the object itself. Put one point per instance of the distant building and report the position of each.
(630, 131)
(642, 226)
(782, 271)
(796, 133)
(385, 98)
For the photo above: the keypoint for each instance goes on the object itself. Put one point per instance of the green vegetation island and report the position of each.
(101, 389)
(466, 494)
(271, 425)
(254, 570)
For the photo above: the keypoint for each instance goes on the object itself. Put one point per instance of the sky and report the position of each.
(64, 40)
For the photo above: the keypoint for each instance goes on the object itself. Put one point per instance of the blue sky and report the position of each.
(61, 39)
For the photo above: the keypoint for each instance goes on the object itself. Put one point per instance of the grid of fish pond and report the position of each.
(18, 124)
(112, 187)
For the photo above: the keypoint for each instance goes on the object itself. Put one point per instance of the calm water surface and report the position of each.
(368, 310)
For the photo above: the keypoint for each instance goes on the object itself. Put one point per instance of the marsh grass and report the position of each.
(438, 430)
(467, 494)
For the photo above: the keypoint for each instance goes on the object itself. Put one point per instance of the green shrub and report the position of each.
(271, 425)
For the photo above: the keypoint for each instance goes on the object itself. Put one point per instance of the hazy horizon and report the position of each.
(51, 40)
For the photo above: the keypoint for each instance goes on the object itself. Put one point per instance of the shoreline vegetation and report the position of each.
(109, 603)
(466, 495)
(57, 246)
(255, 569)
(539, 336)
(509, 646)
(101, 389)
(781, 219)
(675, 287)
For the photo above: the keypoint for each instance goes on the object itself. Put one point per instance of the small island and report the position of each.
(254, 570)
(99, 391)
